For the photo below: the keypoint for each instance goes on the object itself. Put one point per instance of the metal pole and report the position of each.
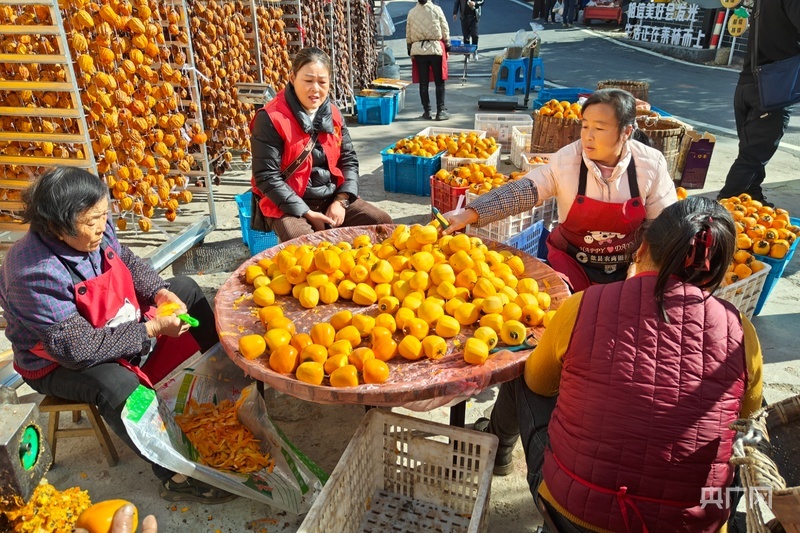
(256, 41)
(733, 47)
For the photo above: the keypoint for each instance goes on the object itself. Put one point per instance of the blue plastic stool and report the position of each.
(515, 76)
(537, 74)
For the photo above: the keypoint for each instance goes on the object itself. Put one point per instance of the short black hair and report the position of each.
(55, 200)
(624, 104)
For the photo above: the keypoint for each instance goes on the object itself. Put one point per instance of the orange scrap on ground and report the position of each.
(48, 510)
(221, 440)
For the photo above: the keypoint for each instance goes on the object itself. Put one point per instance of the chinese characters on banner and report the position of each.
(643, 12)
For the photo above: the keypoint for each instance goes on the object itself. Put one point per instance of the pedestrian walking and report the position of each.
(469, 11)
(428, 41)
(760, 131)
(539, 10)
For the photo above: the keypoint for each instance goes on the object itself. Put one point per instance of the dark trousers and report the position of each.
(469, 26)
(548, 10)
(359, 213)
(759, 136)
(424, 65)
(539, 9)
(108, 385)
(570, 11)
(521, 413)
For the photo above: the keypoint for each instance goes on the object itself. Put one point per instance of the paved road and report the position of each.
(700, 94)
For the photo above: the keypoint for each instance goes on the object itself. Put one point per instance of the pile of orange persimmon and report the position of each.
(760, 231)
(478, 177)
(415, 285)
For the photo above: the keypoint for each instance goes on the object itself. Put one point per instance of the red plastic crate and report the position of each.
(444, 197)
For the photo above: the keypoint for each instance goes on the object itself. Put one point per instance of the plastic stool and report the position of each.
(55, 406)
(537, 74)
(515, 75)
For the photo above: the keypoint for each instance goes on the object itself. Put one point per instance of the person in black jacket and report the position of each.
(469, 11)
(760, 132)
(299, 192)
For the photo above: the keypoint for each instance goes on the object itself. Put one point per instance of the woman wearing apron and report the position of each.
(606, 185)
(81, 310)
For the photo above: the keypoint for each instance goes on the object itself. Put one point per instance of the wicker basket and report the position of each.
(771, 465)
(550, 134)
(667, 135)
(639, 89)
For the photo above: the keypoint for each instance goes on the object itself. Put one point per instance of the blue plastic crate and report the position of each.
(532, 240)
(778, 266)
(257, 241)
(569, 94)
(409, 174)
(463, 48)
(377, 109)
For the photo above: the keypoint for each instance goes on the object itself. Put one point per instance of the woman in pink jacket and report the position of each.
(606, 184)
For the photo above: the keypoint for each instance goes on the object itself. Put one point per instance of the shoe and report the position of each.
(503, 465)
(426, 116)
(193, 490)
(442, 115)
(476, 56)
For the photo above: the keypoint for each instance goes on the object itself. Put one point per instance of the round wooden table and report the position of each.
(420, 385)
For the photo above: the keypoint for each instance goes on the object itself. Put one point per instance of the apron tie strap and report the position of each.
(143, 379)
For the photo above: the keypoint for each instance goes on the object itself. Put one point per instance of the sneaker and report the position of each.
(442, 115)
(193, 490)
(426, 116)
(503, 465)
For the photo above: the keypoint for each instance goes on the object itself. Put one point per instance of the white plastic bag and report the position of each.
(386, 27)
(148, 415)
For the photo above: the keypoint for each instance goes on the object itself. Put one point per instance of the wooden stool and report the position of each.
(55, 406)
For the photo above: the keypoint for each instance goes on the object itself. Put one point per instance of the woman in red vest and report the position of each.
(625, 405)
(81, 309)
(305, 170)
(606, 184)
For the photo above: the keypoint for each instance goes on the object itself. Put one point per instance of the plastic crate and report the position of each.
(778, 266)
(450, 163)
(532, 240)
(745, 294)
(376, 109)
(257, 241)
(570, 94)
(661, 112)
(527, 166)
(499, 126)
(404, 474)
(520, 143)
(433, 131)
(444, 197)
(463, 48)
(409, 174)
(504, 229)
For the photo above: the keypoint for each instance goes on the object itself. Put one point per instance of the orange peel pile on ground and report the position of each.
(221, 440)
(48, 510)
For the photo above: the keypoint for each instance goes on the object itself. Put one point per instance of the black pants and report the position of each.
(108, 385)
(424, 65)
(548, 10)
(570, 13)
(759, 136)
(539, 9)
(469, 26)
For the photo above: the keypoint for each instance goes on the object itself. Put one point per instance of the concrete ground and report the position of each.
(323, 431)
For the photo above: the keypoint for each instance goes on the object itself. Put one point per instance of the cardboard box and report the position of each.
(695, 159)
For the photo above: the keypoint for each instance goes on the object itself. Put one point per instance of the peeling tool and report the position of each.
(438, 215)
(529, 344)
(189, 320)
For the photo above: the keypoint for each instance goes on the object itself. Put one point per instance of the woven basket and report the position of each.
(550, 134)
(639, 89)
(666, 135)
(771, 464)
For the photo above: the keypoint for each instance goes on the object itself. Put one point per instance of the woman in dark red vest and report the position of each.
(305, 170)
(625, 404)
(81, 308)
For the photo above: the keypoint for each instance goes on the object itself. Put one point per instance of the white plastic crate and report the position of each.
(433, 130)
(403, 474)
(450, 162)
(520, 143)
(504, 229)
(527, 166)
(499, 127)
(744, 294)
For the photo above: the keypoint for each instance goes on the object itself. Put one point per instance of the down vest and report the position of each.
(641, 424)
(426, 26)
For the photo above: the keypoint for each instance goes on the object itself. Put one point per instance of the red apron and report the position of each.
(109, 300)
(445, 68)
(594, 244)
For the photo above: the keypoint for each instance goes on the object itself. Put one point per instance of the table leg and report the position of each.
(458, 414)
(464, 77)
